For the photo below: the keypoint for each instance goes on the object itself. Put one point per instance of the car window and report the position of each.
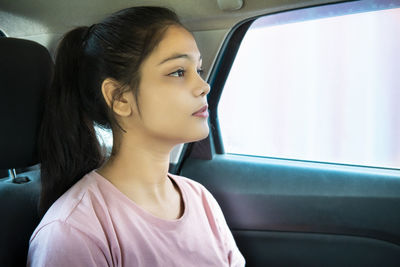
(317, 87)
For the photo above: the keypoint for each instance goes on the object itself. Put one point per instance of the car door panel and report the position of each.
(347, 212)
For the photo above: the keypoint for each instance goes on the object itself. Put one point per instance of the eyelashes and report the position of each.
(178, 73)
(181, 73)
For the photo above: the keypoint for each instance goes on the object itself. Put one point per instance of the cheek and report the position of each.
(166, 113)
(165, 108)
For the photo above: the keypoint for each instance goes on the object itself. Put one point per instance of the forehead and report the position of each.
(176, 40)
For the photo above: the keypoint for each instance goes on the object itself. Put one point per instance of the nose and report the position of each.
(206, 90)
(202, 88)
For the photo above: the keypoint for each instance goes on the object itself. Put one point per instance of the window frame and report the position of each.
(3, 33)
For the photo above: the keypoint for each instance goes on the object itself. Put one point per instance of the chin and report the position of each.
(198, 134)
(203, 134)
(201, 137)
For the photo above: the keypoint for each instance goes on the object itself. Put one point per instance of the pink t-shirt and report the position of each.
(94, 224)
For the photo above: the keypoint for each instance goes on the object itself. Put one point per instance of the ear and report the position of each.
(123, 105)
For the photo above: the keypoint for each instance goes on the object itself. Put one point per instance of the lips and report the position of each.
(202, 112)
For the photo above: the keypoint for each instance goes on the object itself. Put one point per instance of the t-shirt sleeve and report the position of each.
(59, 244)
(235, 257)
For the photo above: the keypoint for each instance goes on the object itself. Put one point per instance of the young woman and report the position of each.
(137, 73)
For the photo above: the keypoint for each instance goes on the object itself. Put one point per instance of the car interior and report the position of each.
(282, 210)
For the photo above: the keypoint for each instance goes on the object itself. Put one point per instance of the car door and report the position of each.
(296, 207)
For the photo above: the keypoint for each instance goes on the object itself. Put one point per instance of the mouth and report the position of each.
(202, 112)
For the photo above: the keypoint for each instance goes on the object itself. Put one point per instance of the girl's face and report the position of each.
(171, 90)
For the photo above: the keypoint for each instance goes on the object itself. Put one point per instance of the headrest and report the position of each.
(25, 71)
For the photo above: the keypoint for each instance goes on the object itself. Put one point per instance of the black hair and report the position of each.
(114, 48)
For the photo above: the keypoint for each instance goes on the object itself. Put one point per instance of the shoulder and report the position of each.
(73, 208)
(72, 226)
(54, 244)
(58, 232)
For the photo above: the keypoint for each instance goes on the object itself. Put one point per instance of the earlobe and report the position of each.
(121, 105)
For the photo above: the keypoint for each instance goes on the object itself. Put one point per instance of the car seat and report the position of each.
(25, 71)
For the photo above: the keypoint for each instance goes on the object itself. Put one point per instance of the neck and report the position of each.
(141, 162)
(139, 167)
(139, 170)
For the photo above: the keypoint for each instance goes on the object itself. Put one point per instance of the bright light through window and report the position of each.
(104, 137)
(321, 90)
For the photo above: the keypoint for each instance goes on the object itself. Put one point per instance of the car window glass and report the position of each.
(324, 89)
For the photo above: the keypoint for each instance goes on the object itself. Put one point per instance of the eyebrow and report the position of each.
(177, 56)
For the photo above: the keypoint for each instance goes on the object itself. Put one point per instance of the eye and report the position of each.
(178, 73)
(200, 72)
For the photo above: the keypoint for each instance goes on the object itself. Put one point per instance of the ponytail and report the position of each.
(68, 147)
(114, 48)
